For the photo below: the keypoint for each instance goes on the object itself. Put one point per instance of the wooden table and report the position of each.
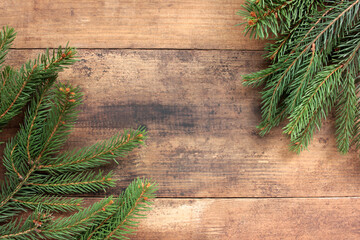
(175, 66)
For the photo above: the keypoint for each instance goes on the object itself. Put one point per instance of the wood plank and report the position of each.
(201, 121)
(201, 24)
(178, 219)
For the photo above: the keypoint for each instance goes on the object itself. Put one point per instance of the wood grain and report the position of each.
(201, 121)
(185, 24)
(217, 178)
(234, 219)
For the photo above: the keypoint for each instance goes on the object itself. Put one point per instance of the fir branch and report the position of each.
(17, 160)
(49, 203)
(298, 87)
(295, 61)
(299, 60)
(44, 125)
(303, 81)
(21, 89)
(7, 36)
(279, 47)
(37, 175)
(258, 78)
(266, 126)
(344, 60)
(39, 108)
(348, 54)
(98, 154)
(29, 229)
(60, 121)
(18, 90)
(345, 115)
(9, 209)
(266, 17)
(315, 106)
(131, 205)
(78, 223)
(69, 183)
(13, 164)
(63, 106)
(356, 136)
(15, 189)
(24, 234)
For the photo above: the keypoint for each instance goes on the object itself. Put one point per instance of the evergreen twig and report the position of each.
(314, 66)
(38, 175)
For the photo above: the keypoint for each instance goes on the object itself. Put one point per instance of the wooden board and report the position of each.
(184, 24)
(201, 121)
(245, 219)
(175, 67)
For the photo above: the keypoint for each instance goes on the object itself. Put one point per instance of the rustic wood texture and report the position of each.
(217, 178)
(248, 219)
(201, 121)
(201, 24)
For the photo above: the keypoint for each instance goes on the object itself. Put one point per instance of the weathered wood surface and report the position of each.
(201, 121)
(217, 178)
(248, 219)
(201, 24)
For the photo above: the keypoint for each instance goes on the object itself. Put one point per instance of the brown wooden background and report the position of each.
(175, 66)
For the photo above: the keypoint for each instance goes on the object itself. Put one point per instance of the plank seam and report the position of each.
(238, 198)
(153, 49)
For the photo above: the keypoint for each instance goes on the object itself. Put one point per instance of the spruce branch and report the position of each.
(49, 202)
(314, 64)
(8, 209)
(47, 125)
(42, 225)
(356, 136)
(18, 86)
(298, 60)
(75, 225)
(38, 175)
(63, 109)
(70, 183)
(98, 154)
(315, 106)
(110, 218)
(7, 36)
(59, 122)
(29, 229)
(130, 206)
(266, 17)
(346, 109)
